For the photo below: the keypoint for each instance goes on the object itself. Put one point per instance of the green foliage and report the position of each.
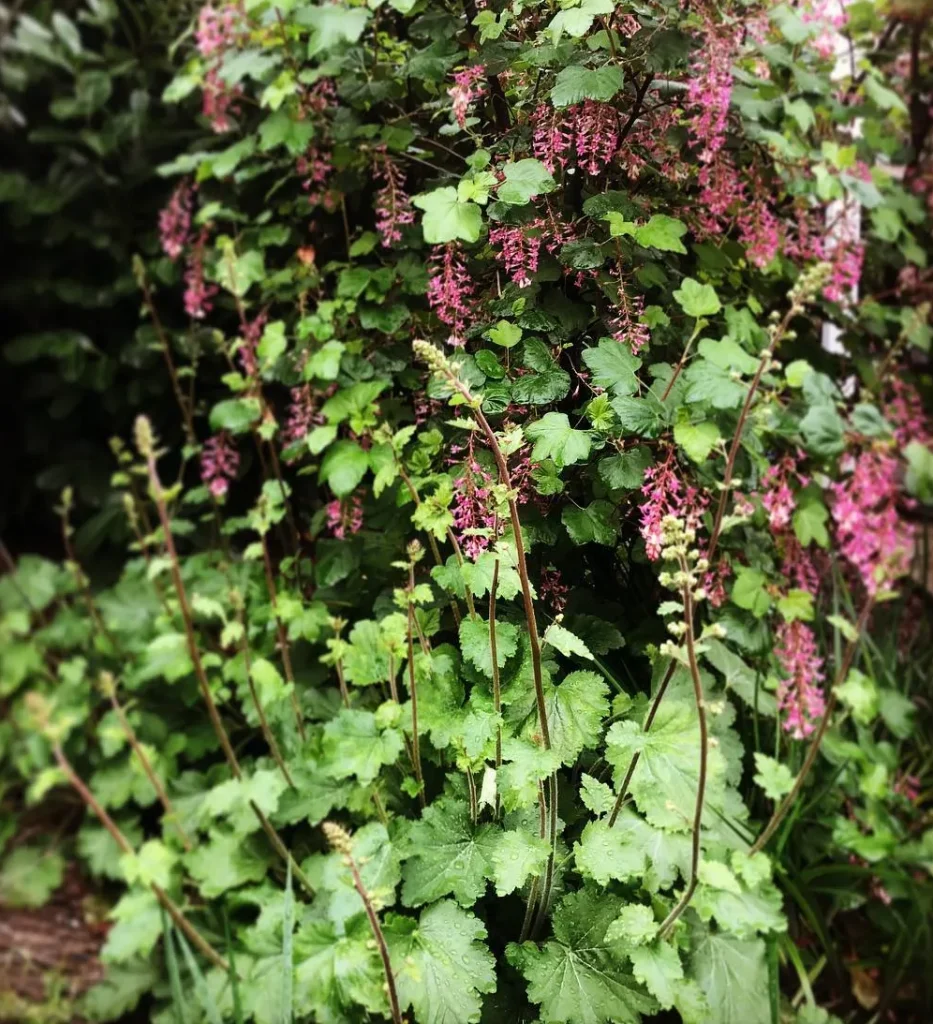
(602, 527)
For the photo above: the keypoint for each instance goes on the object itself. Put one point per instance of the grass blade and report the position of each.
(205, 998)
(288, 927)
(234, 978)
(174, 976)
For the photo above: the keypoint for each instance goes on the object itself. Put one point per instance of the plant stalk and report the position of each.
(785, 805)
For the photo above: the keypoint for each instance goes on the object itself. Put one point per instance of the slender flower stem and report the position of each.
(413, 688)
(193, 935)
(182, 595)
(260, 711)
(533, 639)
(687, 896)
(522, 565)
(496, 685)
(149, 303)
(146, 764)
(630, 771)
(785, 805)
(471, 790)
(341, 842)
(78, 573)
(221, 733)
(282, 636)
(796, 306)
(432, 543)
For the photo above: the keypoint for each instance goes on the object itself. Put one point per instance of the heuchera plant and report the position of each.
(517, 558)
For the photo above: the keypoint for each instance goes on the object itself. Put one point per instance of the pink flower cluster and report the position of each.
(175, 220)
(552, 139)
(198, 293)
(519, 251)
(776, 494)
(393, 205)
(597, 134)
(219, 463)
(709, 91)
(465, 91)
(830, 16)
(870, 532)
(345, 516)
(904, 411)
(847, 260)
(626, 323)
(450, 291)
(666, 494)
(471, 508)
(252, 332)
(315, 168)
(588, 132)
(301, 416)
(800, 694)
(218, 31)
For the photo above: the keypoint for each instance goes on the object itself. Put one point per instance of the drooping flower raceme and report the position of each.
(870, 532)
(450, 291)
(667, 495)
(344, 516)
(710, 88)
(393, 204)
(800, 691)
(466, 91)
(175, 220)
(519, 249)
(219, 463)
(219, 29)
(198, 293)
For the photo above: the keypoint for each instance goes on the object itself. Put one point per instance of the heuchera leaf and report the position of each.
(447, 854)
(441, 963)
(576, 977)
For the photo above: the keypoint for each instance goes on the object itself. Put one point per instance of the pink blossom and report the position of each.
(252, 332)
(218, 102)
(345, 516)
(217, 29)
(709, 91)
(904, 411)
(175, 220)
(870, 532)
(714, 582)
(450, 291)
(315, 168)
(552, 590)
(800, 693)
(760, 232)
(597, 135)
(847, 262)
(626, 323)
(198, 292)
(465, 91)
(803, 568)
(301, 416)
(829, 16)
(472, 508)
(552, 140)
(219, 463)
(667, 495)
(776, 494)
(519, 251)
(393, 204)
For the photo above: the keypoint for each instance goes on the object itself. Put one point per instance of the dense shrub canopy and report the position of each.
(519, 605)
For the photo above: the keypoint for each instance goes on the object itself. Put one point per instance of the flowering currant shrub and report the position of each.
(522, 618)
